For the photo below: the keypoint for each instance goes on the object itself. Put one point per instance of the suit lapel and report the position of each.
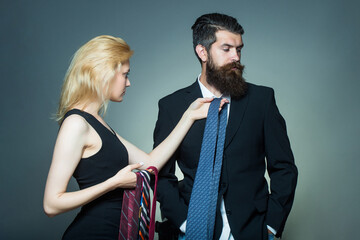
(193, 92)
(195, 135)
(237, 110)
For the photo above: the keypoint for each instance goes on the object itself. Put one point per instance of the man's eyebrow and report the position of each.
(226, 45)
(240, 46)
(229, 45)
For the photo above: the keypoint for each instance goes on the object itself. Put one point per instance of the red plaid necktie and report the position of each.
(134, 221)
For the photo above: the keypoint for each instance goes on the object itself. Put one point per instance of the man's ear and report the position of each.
(201, 52)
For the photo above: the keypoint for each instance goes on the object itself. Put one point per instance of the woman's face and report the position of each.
(120, 83)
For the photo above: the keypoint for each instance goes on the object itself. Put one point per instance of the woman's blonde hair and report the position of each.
(92, 68)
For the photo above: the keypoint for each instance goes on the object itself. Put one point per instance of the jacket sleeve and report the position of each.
(281, 167)
(172, 205)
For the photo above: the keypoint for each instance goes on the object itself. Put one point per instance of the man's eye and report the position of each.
(226, 49)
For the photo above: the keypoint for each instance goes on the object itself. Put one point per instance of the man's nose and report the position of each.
(235, 56)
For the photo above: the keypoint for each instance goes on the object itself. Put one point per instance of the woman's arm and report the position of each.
(70, 144)
(159, 156)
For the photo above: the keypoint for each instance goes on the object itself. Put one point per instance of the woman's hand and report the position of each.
(126, 178)
(200, 107)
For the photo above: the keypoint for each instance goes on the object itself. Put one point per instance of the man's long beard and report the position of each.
(227, 79)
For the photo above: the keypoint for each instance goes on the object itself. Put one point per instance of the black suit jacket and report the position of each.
(256, 131)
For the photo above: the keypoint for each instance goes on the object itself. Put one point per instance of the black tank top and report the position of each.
(100, 218)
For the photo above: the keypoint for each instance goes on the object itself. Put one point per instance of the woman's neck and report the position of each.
(92, 107)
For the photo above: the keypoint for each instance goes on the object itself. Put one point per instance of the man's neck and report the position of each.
(212, 89)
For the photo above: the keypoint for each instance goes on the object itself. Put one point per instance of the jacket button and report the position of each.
(228, 212)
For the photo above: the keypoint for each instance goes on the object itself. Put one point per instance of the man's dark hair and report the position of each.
(207, 25)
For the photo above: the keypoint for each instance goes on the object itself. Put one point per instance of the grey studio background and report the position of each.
(308, 51)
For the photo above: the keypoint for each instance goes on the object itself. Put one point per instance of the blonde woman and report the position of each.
(90, 150)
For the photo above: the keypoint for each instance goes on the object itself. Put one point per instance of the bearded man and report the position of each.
(256, 140)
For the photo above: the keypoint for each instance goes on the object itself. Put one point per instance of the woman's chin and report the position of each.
(120, 99)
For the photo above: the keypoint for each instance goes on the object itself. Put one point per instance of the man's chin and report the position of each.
(227, 79)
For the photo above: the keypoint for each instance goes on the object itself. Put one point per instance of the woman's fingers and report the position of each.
(135, 166)
(223, 101)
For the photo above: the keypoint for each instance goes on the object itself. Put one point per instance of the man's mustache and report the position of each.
(233, 65)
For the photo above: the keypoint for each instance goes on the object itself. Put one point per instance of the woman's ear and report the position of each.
(201, 52)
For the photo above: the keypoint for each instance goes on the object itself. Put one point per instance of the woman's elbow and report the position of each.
(50, 211)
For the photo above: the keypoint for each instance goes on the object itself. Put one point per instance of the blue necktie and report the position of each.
(202, 207)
